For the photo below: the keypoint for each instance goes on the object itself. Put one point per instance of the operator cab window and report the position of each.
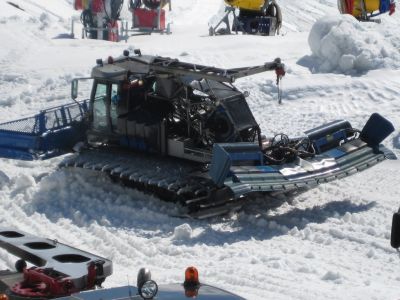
(100, 108)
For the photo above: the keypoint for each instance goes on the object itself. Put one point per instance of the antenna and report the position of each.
(129, 287)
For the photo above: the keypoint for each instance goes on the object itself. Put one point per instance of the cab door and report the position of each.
(106, 98)
(100, 105)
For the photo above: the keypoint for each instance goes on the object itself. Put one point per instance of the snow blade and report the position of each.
(50, 133)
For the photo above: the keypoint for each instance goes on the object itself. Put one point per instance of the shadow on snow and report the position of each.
(86, 197)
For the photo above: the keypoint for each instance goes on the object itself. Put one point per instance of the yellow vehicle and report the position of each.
(262, 17)
(255, 5)
(364, 10)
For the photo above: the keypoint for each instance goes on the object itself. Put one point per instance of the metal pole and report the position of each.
(159, 15)
(187, 110)
(72, 28)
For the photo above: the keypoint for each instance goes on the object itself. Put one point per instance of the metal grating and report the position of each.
(47, 120)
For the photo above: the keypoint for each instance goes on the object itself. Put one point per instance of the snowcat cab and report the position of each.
(160, 105)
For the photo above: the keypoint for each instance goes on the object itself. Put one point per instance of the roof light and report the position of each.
(99, 62)
(137, 52)
(3, 297)
(191, 277)
(110, 60)
(143, 276)
(126, 53)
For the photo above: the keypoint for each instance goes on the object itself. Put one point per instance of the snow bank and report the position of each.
(344, 45)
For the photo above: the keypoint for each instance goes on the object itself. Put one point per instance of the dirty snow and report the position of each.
(328, 243)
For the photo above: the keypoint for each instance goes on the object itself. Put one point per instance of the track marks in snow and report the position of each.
(311, 101)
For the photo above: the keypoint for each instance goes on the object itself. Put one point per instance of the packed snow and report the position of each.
(328, 243)
(344, 45)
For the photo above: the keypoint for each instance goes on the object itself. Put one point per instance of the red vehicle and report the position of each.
(100, 18)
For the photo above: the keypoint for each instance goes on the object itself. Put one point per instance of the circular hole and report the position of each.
(11, 234)
(71, 258)
(39, 246)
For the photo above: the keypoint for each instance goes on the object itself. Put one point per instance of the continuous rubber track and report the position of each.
(170, 179)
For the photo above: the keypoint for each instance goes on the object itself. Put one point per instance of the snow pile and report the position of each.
(183, 232)
(343, 44)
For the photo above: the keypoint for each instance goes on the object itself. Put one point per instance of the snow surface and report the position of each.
(328, 243)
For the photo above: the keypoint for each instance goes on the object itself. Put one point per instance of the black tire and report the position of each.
(152, 4)
(133, 4)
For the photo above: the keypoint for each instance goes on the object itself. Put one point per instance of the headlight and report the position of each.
(148, 290)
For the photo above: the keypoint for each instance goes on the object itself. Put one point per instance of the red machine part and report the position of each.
(113, 36)
(41, 282)
(81, 4)
(392, 8)
(280, 72)
(349, 6)
(145, 18)
(97, 6)
(78, 5)
(48, 283)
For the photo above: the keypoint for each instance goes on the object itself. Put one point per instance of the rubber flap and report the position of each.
(220, 165)
(376, 130)
(395, 236)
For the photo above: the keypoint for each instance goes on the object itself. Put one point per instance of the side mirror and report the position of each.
(74, 89)
(395, 236)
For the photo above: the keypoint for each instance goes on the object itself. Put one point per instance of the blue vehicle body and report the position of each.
(50, 133)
